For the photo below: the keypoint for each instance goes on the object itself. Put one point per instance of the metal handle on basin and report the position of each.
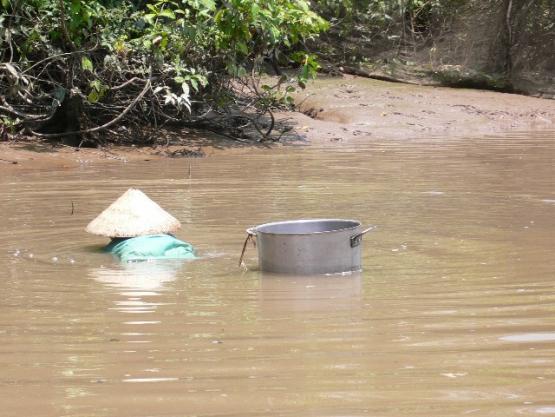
(251, 234)
(357, 239)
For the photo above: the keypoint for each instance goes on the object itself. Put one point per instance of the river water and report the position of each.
(454, 313)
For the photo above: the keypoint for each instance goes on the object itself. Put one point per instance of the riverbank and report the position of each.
(358, 109)
(331, 112)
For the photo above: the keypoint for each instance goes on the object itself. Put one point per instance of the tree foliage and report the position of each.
(498, 44)
(74, 68)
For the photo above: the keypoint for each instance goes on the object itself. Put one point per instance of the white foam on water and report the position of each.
(530, 337)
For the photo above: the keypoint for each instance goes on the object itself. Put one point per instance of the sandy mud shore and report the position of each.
(357, 109)
(332, 111)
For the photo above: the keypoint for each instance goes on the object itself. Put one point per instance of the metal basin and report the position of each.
(308, 247)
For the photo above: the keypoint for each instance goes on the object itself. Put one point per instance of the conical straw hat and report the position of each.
(133, 214)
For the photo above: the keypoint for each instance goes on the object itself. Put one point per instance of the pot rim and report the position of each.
(255, 229)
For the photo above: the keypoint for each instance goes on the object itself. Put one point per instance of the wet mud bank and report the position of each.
(331, 112)
(358, 109)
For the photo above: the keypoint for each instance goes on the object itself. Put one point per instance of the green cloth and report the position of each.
(142, 248)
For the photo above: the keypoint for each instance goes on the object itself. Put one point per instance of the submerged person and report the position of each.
(140, 230)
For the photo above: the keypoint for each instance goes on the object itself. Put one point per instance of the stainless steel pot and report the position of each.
(307, 247)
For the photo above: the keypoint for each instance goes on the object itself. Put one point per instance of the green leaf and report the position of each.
(218, 17)
(194, 84)
(149, 18)
(167, 13)
(303, 5)
(93, 96)
(275, 34)
(209, 4)
(5, 3)
(75, 7)
(242, 47)
(86, 64)
(96, 85)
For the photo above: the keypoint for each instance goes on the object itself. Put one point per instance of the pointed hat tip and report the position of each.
(133, 214)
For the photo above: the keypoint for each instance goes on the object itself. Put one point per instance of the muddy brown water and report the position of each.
(454, 313)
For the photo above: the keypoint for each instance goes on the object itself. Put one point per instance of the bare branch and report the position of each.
(6, 108)
(125, 84)
(104, 126)
(63, 25)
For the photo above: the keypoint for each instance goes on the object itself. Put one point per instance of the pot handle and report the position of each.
(357, 239)
(251, 234)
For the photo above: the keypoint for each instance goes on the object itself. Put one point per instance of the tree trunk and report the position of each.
(66, 119)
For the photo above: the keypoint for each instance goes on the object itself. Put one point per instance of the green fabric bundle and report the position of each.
(142, 248)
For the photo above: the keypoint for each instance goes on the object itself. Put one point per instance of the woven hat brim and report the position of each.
(131, 215)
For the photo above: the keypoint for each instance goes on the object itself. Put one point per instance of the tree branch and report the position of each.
(104, 126)
(64, 26)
